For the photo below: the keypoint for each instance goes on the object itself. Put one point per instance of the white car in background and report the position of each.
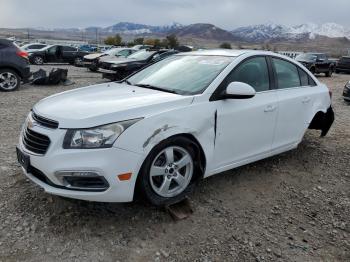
(188, 117)
(91, 61)
(33, 47)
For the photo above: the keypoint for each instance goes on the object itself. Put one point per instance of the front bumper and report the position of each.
(108, 163)
(106, 71)
(346, 93)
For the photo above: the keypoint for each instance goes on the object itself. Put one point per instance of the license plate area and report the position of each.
(23, 159)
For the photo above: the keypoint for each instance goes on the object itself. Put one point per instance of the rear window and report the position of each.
(305, 79)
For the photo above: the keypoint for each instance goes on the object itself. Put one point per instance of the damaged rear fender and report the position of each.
(323, 121)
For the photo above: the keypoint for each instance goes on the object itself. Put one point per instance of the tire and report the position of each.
(38, 60)
(329, 73)
(78, 61)
(93, 68)
(312, 70)
(150, 184)
(9, 80)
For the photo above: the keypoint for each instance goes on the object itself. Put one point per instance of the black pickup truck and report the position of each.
(343, 65)
(57, 54)
(317, 63)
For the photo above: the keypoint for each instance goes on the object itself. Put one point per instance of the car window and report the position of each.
(345, 60)
(68, 49)
(253, 72)
(123, 53)
(286, 73)
(52, 50)
(304, 77)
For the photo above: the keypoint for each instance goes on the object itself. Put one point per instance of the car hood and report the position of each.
(116, 60)
(94, 56)
(106, 103)
(306, 61)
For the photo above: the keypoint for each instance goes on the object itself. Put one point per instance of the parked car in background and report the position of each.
(185, 118)
(317, 63)
(91, 61)
(33, 47)
(14, 66)
(346, 92)
(343, 65)
(88, 48)
(57, 54)
(141, 47)
(119, 68)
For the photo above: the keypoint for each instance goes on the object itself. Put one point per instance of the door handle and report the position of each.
(270, 108)
(306, 100)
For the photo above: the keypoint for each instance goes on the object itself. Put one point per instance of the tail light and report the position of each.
(22, 54)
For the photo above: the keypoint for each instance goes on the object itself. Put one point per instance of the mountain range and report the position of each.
(254, 33)
(270, 31)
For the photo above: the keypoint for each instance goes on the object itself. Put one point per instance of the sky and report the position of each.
(227, 14)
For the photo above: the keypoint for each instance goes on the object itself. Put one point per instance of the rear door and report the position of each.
(296, 95)
(245, 127)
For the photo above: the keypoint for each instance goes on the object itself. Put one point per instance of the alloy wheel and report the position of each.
(38, 60)
(8, 81)
(171, 171)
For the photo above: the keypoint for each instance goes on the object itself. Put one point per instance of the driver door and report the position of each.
(245, 127)
(51, 54)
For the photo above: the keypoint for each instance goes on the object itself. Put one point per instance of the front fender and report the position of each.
(147, 133)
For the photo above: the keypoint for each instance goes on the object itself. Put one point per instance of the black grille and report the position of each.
(35, 142)
(44, 121)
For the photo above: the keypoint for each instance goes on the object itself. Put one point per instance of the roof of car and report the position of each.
(219, 52)
(5, 41)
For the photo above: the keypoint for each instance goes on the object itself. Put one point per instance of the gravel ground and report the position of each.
(292, 207)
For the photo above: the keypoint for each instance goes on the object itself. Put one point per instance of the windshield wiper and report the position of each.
(128, 82)
(156, 88)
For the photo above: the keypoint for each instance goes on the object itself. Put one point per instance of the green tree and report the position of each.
(157, 43)
(138, 41)
(118, 39)
(114, 40)
(172, 41)
(226, 46)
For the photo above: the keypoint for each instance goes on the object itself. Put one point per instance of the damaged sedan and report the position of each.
(185, 118)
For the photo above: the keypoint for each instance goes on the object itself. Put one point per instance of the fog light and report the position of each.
(82, 180)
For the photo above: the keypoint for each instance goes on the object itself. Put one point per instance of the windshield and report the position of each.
(113, 51)
(306, 57)
(187, 75)
(141, 55)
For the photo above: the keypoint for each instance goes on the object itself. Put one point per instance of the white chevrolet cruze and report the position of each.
(157, 133)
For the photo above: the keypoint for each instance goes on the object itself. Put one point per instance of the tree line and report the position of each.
(171, 41)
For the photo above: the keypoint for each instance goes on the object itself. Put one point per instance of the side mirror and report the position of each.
(239, 90)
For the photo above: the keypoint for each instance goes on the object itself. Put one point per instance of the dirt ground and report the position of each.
(291, 207)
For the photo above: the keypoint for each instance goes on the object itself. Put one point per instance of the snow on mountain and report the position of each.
(272, 31)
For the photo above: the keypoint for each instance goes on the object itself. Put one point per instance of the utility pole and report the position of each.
(96, 35)
(28, 35)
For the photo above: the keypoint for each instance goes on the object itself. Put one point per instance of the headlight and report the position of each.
(97, 137)
(119, 65)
